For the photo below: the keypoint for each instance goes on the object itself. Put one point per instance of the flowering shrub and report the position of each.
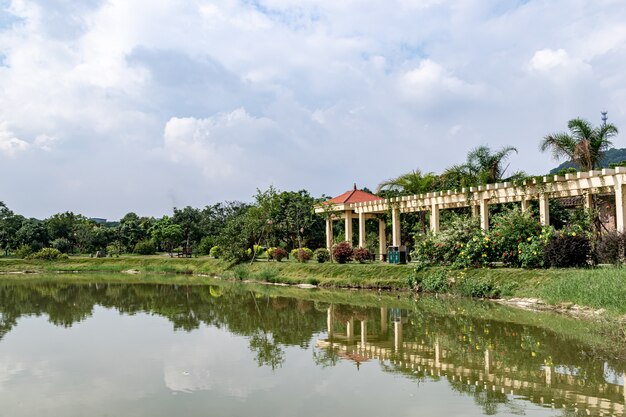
(322, 255)
(278, 254)
(342, 252)
(302, 255)
(510, 229)
(361, 255)
(530, 253)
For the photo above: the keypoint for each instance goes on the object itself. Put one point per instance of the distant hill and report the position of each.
(612, 156)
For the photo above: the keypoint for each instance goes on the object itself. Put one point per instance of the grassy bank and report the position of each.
(597, 288)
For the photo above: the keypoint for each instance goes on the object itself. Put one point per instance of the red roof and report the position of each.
(354, 196)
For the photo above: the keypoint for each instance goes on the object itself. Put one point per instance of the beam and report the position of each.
(348, 223)
(434, 218)
(361, 230)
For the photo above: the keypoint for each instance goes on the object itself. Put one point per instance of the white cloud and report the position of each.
(9, 143)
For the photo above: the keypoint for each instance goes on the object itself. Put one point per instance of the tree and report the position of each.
(10, 223)
(584, 145)
(131, 230)
(189, 219)
(414, 182)
(166, 234)
(32, 233)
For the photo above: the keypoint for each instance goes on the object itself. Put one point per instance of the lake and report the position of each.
(229, 349)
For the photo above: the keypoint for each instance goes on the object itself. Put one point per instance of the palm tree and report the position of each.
(584, 145)
(482, 167)
(413, 182)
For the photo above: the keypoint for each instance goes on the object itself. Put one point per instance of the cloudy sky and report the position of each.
(110, 106)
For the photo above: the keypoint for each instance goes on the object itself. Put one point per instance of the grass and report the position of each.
(596, 288)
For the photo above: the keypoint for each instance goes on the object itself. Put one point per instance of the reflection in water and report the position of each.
(466, 345)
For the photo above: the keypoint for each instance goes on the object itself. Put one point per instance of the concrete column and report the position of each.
(525, 205)
(329, 322)
(548, 370)
(383, 320)
(434, 218)
(361, 230)
(397, 335)
(395, 226)
(350, 329)
(382, 238)
(363, 333)
(475, 210)
(620, 205)
(488, 360)
(329, 234)
(348, 221)
(588, 200)
(484, 214)
(544, 209)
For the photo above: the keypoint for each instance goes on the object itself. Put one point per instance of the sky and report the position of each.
(112, 106)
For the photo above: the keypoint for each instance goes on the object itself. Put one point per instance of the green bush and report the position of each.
(530, 253)
(342, 252)
(215, 252)
(304, 255)
(436, 282)
(511, 228)
(569, 249)
(145, 247)
(113, 250)
(361, 255)
(62, 244)
(24, 251)
(322, 255)
(205, 245)
(48, 254)
(478, 288)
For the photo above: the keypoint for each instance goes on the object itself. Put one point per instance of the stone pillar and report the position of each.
(329, 322)
(361, 230)
(544, 209)
(620, 205)
(383, 320)
(525, 205)
(395, 226)
(397, 335)
(329, 234)
(363, 333)
(434, 218)
(588, 200)
(484, 214)
(475, 210)
(348, 222)
(488, 360)
(382, 238)
(350, 329)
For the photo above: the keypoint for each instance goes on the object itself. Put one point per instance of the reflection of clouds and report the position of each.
(8, 369)
(212, 362)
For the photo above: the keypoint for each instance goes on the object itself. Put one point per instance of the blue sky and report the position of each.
(112, 106)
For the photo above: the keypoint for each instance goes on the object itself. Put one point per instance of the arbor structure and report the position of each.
(584, 145)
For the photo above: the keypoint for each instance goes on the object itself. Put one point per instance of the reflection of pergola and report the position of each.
(581, 184)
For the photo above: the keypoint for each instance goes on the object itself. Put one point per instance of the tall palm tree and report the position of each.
(482, 167)
(584, 145)
(413, 182)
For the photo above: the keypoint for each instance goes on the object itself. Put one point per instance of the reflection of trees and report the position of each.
(326, 357)
(268, 352)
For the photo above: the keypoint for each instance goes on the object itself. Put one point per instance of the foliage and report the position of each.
(531, 251)
(361, 255)
(145, 247)
(23, 251)
(342, 252)
(62, 244)
(322, 255)
(114, 249)
(48, 254)
(215, 252)
(510, 228)
(277, 254)
(611, 248)
(435, 282)
(478, 288)
(584, 145)
(569, 249)
(205, 245)
(302, 255)
(166, 234)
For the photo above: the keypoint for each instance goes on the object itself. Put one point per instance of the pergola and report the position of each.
(580, 184)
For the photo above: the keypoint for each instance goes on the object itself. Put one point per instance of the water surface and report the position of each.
(236, 350)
